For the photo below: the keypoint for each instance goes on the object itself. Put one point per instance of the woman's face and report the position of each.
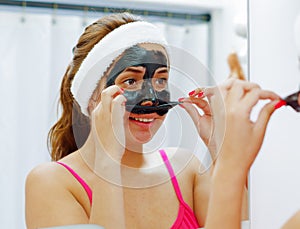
(142, 71)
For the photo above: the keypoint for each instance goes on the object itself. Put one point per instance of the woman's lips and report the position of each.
(143, 120)
(146, 120)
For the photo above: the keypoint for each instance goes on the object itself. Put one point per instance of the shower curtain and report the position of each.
(35, 49)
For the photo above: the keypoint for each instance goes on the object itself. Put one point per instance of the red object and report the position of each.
(200, 94)
(191, 93)
(280, 104)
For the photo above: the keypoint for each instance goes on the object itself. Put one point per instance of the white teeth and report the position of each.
(144, 119)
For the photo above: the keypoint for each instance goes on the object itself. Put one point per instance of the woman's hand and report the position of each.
(204, 121)
(109, 136)
(108, 122)
(226, 110)
(239, 138)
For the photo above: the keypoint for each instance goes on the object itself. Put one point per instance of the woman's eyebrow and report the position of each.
(134, 69)
(162, 70)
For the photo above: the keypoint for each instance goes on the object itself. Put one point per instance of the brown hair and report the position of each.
(73, 127)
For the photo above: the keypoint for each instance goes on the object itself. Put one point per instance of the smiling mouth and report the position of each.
(144, 120)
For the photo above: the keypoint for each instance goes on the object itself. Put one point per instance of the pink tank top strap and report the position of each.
(80, 180)
(172, 175)
(186, 218)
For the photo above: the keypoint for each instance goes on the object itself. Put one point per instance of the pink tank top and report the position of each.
(80, 180)
(185, 219)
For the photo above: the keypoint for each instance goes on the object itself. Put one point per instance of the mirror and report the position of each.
(38, 42)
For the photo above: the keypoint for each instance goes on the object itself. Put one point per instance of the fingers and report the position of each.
(237, 95)
(221, 91)
(107, 95)
(263, 119)
(234, 86)
(118, 110)
(198, 92)
(266, 94)
(117, 118)
(108, 119)
(192, 111)
(252, 97)
(240, 93)
(202, 104)
(196, 97)
(239, 89)
(210, 91)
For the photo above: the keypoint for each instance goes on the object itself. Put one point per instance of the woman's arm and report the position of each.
(226, 198)
(49, 202)
(293, 222)
(205, 185)
(238, 147)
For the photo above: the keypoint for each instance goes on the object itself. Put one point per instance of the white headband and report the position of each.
(105, 52)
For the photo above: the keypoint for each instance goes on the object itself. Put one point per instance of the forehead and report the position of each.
(140, 55)
(150, 56)
(153, 47)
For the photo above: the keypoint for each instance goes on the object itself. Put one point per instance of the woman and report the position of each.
(98, 141)
(115, 97)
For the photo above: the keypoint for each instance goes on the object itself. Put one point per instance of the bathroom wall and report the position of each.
(274, 178)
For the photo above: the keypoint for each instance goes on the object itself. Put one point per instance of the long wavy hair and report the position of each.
(72, 129)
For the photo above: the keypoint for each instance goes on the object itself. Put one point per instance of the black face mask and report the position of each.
(151, 61)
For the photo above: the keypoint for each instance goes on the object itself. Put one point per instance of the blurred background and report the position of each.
(36, 41)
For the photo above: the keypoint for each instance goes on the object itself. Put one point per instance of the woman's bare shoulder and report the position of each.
(52, 172)
(177, 152)
(45, 178)
(48, 192)
(183, 153)
(200, 171)
(185, 158)
(44, 173)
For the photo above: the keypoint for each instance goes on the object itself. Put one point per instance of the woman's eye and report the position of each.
(161, 81)
(130, 82)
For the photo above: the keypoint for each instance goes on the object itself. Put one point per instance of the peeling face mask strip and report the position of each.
(151, 61)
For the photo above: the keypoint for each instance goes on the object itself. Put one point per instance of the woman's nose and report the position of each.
(147, 103)
(149, 94)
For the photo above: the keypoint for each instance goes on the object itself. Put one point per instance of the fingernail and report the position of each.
(200, 94)
(280, 104)
(180, 99)
(191, 93)
(122, 90)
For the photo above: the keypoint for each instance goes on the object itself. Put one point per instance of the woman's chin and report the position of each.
(141, 133)
(138, 139)
(142, 138)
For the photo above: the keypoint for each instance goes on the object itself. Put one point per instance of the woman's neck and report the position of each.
(130, 170)
(132, 156)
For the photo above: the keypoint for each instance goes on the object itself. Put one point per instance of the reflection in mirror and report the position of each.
(201, 52)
